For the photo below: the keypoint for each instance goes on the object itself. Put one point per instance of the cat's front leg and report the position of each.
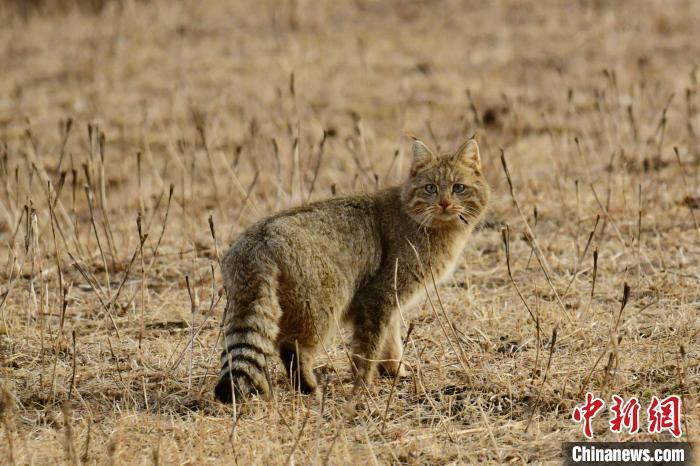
(392, 352)
(372, 314)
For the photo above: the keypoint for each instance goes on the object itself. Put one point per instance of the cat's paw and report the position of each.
(391, 368)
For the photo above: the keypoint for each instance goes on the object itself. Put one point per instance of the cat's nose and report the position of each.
(444, 203)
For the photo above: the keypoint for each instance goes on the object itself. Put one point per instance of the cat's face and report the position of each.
(445, 190)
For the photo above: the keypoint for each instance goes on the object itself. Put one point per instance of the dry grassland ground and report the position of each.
(109, 343)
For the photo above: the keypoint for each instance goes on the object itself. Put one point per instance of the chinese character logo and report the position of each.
(625, 415)
(662, 415)
(586, 412)
(665, 415)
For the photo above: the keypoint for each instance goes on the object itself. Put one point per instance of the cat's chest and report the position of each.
(443, 262)
(447, 259)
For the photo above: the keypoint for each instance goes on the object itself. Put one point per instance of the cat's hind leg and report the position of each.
(298, 363)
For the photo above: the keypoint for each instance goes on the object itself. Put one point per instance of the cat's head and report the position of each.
(445, 190)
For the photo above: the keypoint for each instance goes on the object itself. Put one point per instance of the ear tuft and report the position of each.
(469, 152)
(421, 153)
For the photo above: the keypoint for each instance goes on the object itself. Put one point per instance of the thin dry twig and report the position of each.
(531, 237)
(611, 339)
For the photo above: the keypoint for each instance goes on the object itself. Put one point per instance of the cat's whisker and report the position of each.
(426, 219)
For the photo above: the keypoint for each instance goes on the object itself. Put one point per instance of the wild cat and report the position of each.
(292, 277)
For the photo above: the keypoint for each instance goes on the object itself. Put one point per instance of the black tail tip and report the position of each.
(223, 391)
(228, 386)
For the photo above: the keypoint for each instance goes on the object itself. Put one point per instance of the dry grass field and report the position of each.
(130, 134)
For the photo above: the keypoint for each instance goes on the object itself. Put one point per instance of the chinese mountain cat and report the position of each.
(292, 277)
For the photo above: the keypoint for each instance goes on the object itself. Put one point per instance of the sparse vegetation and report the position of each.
(138, 141)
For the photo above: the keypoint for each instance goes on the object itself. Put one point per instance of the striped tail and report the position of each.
(252, 324)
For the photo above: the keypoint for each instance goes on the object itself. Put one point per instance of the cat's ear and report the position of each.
(469, 152)
(421, 155)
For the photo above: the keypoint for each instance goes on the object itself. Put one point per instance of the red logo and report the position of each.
(665, 415)
(626, 415)
(662, 415)
(586, 412)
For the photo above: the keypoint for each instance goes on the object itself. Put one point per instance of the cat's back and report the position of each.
(343, 232)
(331, 218)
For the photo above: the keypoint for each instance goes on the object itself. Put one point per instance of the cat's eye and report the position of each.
(458, 188)
(431, 188)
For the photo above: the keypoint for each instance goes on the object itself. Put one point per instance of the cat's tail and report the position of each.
(251, 326)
